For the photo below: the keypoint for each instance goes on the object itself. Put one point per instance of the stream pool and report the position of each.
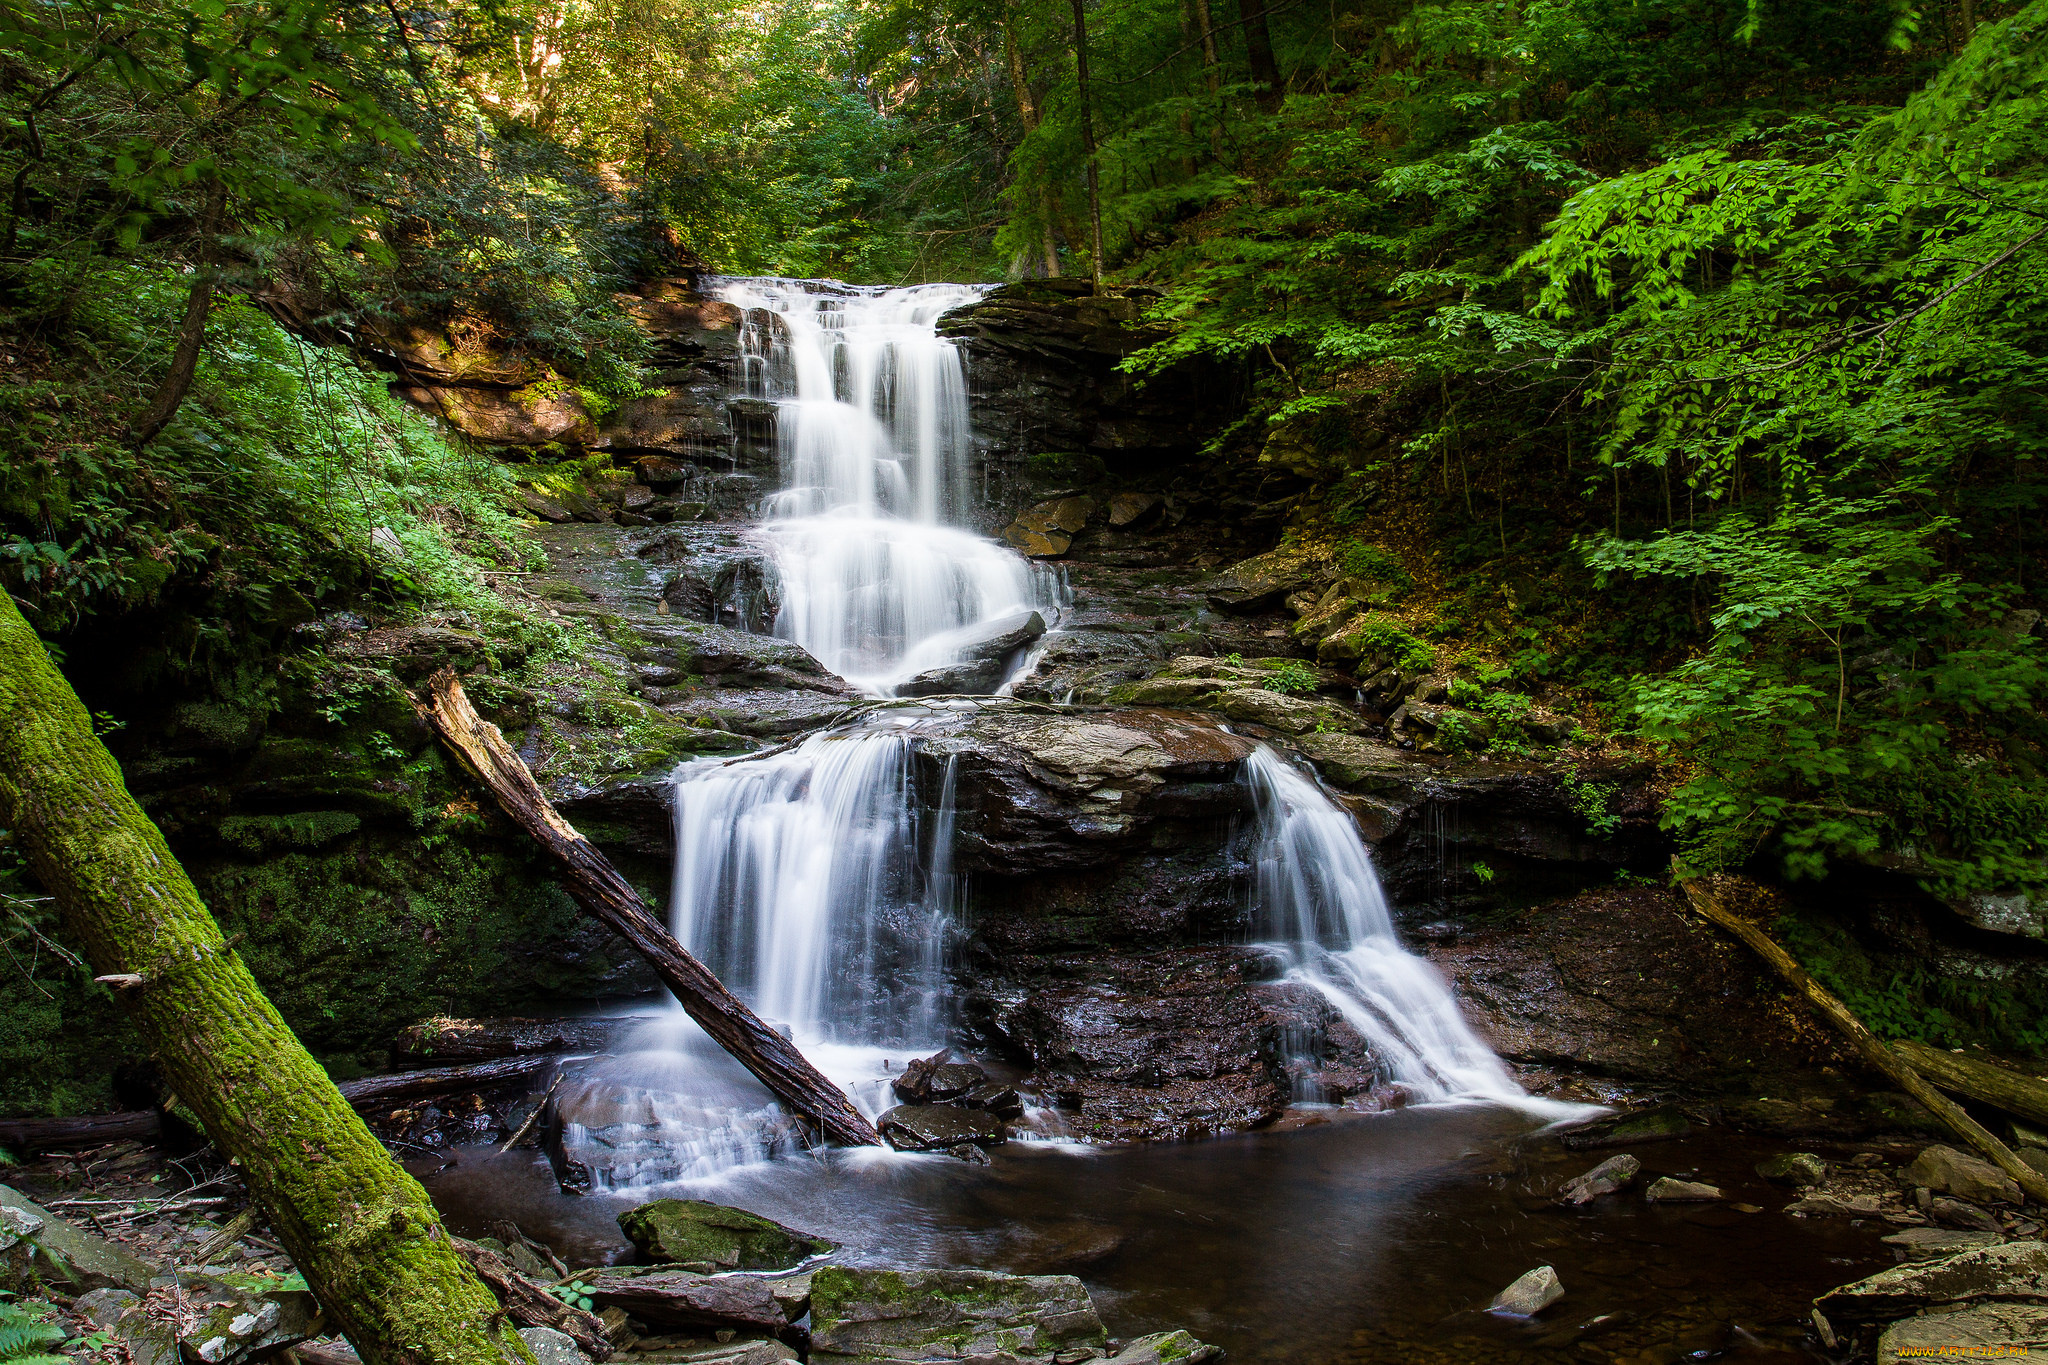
(1332, 1238)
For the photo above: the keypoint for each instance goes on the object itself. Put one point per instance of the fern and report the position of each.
(25, 1337)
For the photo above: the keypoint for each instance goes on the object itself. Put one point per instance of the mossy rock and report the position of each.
(693, 1233)
(888, 1315)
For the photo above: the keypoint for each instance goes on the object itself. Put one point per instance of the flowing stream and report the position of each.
(811, 881)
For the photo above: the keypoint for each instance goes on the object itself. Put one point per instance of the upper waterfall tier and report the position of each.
(874, 402)
(877, 580)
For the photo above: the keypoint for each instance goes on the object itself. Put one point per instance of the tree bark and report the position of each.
(358, 1227)
(528, 1305)
(191, 330)
(453, 1042)
(1866, 1043)
(2018, 1095)
(1258, 48)
(1088, 140)
(42, 1134)
(601, 891)
(1027, 113)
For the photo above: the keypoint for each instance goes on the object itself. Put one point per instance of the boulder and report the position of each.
(64, 1257)
(1932, 1244)
(2017, 1270)
(982, 658)
(1660, 1124)
(1128, 509)
(936, 1127)
(1609, 1176)
(103, 1307)
(681, 1299)
(693, 1232)
(1978, 1332)
(1948, 1171)
(1048, 529)
(1670, 1191)
(1530, 1294)
(1798, 1169)
(545, 507)
(226, 1326)
(889, 1315)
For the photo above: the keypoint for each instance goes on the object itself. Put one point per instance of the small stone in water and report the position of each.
(970, 1154)
(1609, 1176)
(1798, 1169)
(1529, 1295)
(1670, 1191)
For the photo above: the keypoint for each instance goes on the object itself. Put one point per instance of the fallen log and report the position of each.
(43, 1134)
(443, 1080)
(608, 898)
(452, 1042)
(91, 1130)
(2000, 1087)
(1866, 1043)
(528, 1305)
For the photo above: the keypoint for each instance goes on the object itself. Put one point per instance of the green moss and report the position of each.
(258, 834)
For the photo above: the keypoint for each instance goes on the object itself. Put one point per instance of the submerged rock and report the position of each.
(1165, 1348)
(890, 1315)
(1660, 1124)
(693, 1232)
(1530, 1294)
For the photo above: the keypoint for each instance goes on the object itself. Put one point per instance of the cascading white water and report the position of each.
(873, 432)
(807, 878)
(1316, 893)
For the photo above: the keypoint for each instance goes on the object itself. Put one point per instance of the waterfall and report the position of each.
(872, 431)
(809, 879)
(1316, 894)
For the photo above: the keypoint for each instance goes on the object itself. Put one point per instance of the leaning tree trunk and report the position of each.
(359, 1228)
(610, 899)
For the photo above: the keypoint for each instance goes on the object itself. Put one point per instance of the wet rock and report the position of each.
(1798, 1169)
(971, 1154)
(680, 1299)
(1955, 1213)
(1530, 1294)
(1932, 1244)
(2017, 1270)
(996, 1097)
(937, 1127)
(1606, 1178)
(1966, 1177)
(66, 1257)
(691, 1231)
(1672, 1191)
(545, 507)
(550, 1347)
(984, 658)
(1838, 1205)
(888, 1315)
(1660, 1124)
(1982, 1330)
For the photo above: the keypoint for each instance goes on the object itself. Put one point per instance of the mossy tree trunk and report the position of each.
(361, 1230)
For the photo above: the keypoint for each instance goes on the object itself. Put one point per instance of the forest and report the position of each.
(1439, 557)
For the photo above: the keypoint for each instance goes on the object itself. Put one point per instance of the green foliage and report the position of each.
(1906, 997)
(26, 1334)
(1593, 801)
(575, 1293)
(1387, 644)
(1292, 678)
(1374, 565)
